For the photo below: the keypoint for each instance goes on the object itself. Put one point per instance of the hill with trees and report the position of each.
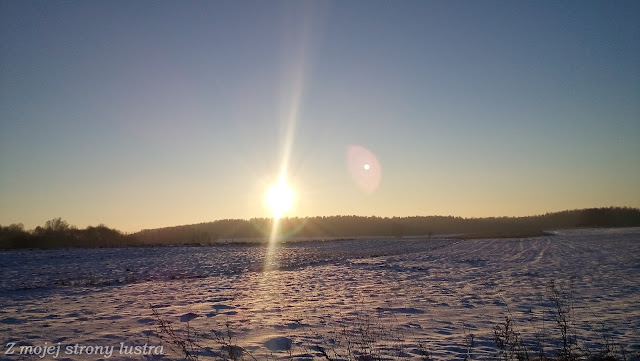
(58, 233)
(354, 226)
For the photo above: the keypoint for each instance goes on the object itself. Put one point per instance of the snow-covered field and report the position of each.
(431, 292)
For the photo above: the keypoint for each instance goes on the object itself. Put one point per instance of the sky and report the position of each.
(143, 114)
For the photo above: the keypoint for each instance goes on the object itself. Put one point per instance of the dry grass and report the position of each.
(365, 336)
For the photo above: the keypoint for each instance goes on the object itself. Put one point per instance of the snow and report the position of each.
(430, 292)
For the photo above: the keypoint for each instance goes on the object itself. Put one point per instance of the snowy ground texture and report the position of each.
(405, 293)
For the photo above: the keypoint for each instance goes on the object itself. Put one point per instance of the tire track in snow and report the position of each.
(542, 252)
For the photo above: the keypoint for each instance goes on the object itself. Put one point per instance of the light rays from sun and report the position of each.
(279, 196)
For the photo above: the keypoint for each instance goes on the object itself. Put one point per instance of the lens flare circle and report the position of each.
(364, 168)
(279, 198)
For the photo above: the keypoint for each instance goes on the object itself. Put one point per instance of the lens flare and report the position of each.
(364, 168)
(280, 197)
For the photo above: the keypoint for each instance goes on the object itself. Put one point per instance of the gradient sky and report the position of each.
(141, 114)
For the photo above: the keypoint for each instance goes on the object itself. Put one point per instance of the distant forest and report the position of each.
(58, 233)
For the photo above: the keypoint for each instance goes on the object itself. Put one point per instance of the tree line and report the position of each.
(58, 233)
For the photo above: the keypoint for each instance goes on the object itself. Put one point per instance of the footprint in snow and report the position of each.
(278, 344)
(407, 310)
(221, 307)
(147, 321)
(11, 321)
(188, 317)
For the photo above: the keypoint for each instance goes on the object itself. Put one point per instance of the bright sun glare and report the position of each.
(279, 198)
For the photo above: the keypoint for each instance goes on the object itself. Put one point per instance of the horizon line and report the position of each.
(391, 217)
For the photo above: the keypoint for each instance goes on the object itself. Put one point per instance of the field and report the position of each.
(407, 297)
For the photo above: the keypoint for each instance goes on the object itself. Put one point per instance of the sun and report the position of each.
(280, 198)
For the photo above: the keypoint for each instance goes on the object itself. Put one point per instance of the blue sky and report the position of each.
(145, 114)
